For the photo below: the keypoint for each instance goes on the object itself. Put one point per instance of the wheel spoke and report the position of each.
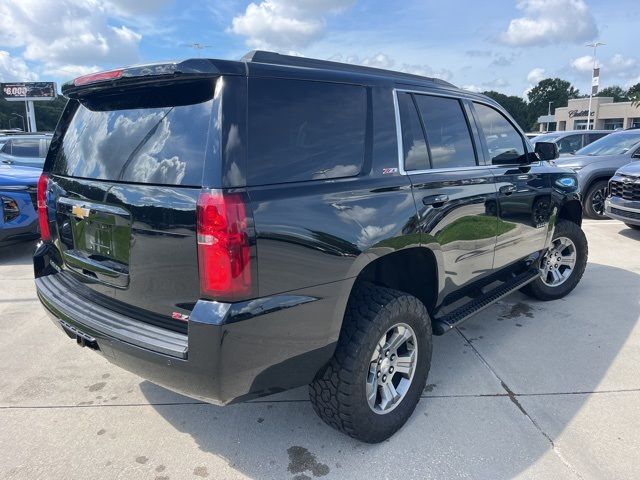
(397, 339)
(405, 363)
(568, 260)
(372, 390)
(556, 277)
(388, 394)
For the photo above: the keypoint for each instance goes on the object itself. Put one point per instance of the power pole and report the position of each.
(595, 79)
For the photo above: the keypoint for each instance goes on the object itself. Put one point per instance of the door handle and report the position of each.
(435, 200)
(508, 189)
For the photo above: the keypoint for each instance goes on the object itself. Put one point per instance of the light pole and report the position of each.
(548, 115)
(595, 46)
(18, 115)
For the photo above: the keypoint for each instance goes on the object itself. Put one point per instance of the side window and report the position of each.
(570, 143)
(593, 137)
(303, 130)
(25, 148)
(503, 140)
(413, 144)
(6, 147)
(448, 137)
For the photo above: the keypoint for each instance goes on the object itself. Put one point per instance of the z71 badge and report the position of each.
(389, 170)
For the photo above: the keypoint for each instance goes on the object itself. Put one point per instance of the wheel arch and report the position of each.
(571, 210)
(414, 270)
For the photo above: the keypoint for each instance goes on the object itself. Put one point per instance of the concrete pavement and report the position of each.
(525, 389)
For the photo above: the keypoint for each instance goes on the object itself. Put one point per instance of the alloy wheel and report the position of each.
(597, 200)
(391, 369)
(559, 262)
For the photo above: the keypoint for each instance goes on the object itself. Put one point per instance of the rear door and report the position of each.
(456, 197)
(126, 176)
(524, 193)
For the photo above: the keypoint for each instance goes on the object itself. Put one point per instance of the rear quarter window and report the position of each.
(302, 130)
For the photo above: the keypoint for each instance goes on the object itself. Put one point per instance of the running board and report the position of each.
(453, 319)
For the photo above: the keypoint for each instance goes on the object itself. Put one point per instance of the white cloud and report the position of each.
(14, 69)
(535, 75)
(382, 60)
(620, 63)
(496, 83)
(285, 24)
(551, 22)
(583, 64)
(472, 88)
(67, 34)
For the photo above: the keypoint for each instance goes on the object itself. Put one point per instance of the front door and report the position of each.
(524, 195)
(455, 196)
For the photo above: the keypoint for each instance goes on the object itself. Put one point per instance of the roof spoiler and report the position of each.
(151, 73)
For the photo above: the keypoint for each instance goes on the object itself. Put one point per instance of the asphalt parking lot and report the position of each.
(525, 389)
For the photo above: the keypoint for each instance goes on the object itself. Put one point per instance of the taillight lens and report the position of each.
(41, 197)
(223, 246)
(98, 77)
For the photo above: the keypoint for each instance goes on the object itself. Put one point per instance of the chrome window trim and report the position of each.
(396, 108)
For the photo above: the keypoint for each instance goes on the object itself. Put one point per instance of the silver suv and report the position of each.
(26, 150)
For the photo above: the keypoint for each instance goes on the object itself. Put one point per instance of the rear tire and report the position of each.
(548, 287)
(594, 200)
(345, 395)
(635, 227)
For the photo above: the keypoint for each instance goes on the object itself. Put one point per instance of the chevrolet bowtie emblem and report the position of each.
(80, 212)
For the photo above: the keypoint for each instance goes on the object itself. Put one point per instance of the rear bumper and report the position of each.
(232, 352)
(627, 211)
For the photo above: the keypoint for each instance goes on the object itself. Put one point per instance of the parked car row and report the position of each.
(597, 163)
(570, 141)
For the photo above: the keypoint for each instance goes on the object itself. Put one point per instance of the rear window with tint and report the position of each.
(302, 130)
(157, 137)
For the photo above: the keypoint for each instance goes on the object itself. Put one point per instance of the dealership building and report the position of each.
(605, 115)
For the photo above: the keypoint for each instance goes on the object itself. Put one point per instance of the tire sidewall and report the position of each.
(588, 200)
(378, 427)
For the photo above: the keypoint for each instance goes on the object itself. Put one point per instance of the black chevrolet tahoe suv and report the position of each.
(233, 229)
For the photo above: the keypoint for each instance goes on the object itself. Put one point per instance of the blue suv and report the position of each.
(19, 219)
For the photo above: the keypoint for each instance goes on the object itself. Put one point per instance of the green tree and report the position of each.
(47, 113)
(548, 90)
(516, 107)
(633, 89)
(618, 93)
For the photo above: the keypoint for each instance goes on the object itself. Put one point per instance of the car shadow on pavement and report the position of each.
(526, 348)
(17, 253)
(630, 233)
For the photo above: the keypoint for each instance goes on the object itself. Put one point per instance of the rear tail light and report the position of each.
(223, 246)
(41, 197)
(98, 77)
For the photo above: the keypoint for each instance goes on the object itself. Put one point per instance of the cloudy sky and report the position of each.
(503, 45)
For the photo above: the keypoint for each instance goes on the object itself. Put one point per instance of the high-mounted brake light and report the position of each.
(223, 245)
(41, 200)
(98, 77)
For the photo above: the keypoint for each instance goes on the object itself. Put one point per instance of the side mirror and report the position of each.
(509, 158)
(547, 150)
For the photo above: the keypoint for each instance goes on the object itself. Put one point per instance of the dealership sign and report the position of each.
(25, 91)
(580, 113)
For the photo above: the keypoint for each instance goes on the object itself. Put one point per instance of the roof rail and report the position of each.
(262, 56)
